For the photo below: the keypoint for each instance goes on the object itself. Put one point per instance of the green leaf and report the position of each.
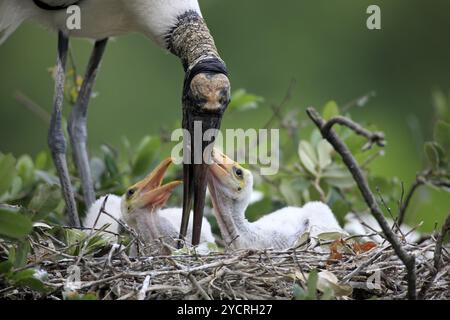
(242, 101)
(312, 284)
(330, 110)
(441, 105)
(432, 154)
(308, 157)
(338, 177)
(145, 155)
(22, 252)
(73, 239)
(45, 200)
(5, 267)
(315, 137)
(289, 194)
(41, 161)
(26, 278)
(110, 161)
(442, 134)
(7, 172)
(299, 293)
(25, 169)
(16, 188)
(21, 275)
(324, 150)
(14, 225)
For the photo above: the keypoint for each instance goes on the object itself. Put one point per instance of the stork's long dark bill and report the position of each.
(206, 95)
(195, 174)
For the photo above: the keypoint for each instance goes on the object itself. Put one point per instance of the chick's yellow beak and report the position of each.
(222, 165)
(149, 192)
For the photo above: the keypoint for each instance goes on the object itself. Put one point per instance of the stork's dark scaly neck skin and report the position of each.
(191, 40)
(50, 7)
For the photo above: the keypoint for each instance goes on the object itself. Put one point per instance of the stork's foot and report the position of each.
(56, 140)
(77, 123)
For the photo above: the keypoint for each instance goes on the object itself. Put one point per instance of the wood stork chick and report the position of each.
(175, 25)
(231, 186)
(140, 207)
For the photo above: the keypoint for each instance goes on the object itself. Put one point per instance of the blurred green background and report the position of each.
(324, 45)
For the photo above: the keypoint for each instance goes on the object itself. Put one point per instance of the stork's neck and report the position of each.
(191, 40)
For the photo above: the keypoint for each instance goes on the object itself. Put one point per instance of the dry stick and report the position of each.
(326, 129)
(419, 182)
(437, 258)
(32, 106)
(373, 137)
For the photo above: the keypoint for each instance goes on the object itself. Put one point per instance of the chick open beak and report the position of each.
(149, 192)
(221, 166)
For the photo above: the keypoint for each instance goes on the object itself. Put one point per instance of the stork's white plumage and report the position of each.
(175, 25)
(99, 18)
(141, 209)
(231, 186)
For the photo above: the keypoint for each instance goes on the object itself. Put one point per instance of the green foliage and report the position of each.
(75, 296)
(7, 172)
(145, 154)
(330, 110)
(14, 225)
(311, 291)
(241, 100)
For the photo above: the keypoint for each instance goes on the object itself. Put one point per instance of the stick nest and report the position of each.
(112, 274)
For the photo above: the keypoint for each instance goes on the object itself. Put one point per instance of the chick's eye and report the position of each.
(239, 173)
(130, 192)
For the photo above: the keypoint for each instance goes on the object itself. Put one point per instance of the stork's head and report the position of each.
(149, 194)
(228, 180)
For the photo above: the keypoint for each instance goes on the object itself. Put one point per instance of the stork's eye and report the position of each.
(130, 193)
(239, 173)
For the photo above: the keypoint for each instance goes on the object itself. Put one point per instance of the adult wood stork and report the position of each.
(231, 186)
(140, 207)
(176, 25)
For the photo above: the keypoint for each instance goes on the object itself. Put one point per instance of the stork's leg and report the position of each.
(77, 123)
(56, 140)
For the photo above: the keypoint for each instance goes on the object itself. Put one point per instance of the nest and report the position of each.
(244, 274)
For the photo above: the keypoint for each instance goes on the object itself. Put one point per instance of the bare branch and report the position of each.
(437, 258)
(32, 106)
(352, 165)
(373, 137)
(420, 181)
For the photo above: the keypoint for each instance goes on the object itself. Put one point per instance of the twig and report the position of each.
(352, 165)
(198, 287)
(437, 258)
(102, 209)
(364, 265)
(420, 181)
(143, 292)
(32, 106)
(373, 137)
(359, 102)
(277, 109)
